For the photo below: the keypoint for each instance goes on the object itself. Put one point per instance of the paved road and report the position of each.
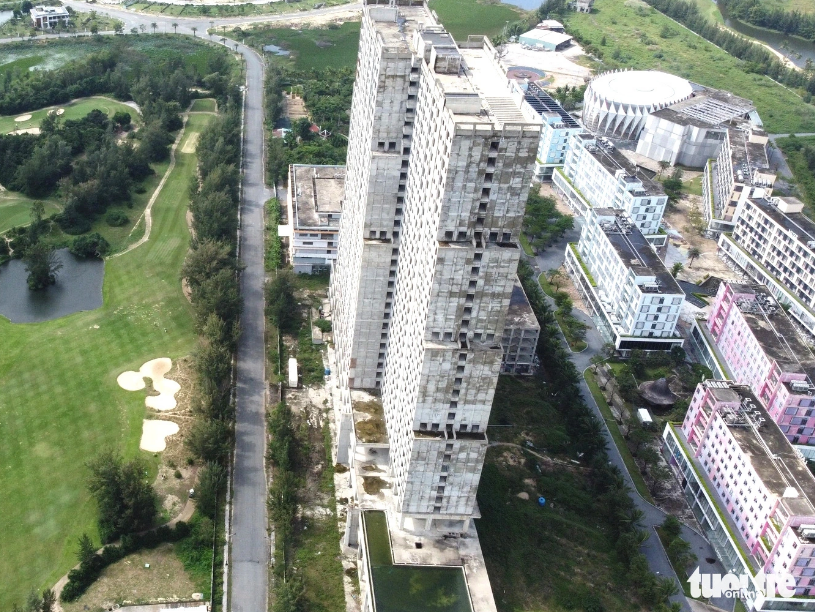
(250, 542)
(133, 19)
(653, 550)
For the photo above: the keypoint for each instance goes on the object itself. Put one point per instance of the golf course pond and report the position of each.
(78, 288)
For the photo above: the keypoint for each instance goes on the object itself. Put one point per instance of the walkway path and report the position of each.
(653, 550)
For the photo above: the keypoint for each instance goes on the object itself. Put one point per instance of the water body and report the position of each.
(78, 288)
(791, 46)
(275, 50)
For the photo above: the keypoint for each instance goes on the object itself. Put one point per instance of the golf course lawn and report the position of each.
(15, 209)
(59, 400)
(203, 105)
(76, 109)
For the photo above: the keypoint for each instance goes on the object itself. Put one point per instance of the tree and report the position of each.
(127, 503)
(86, 549)
(280, 301)
(142, 28)
(175, 27)
(90, 245)
(676, 268)
(212, 477)
(194, 30)
(34, 602)
(209, 440)
(154, 25)
(663, 166)
(118, 27)
(555, 278)
(671, 527)
(122, 118)
(693, 253)
(94, 28)
(48, 601)
(678, 355)
(134, 30)
(42, 265)
(207, 258)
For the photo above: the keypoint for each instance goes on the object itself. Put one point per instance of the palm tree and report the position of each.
(676, 268)
(693, 253)
(223, 41)
(663, 166)
(175, 27)
(154, 25)
(194, 30)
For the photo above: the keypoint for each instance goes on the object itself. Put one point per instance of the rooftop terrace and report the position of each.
(318, 193)
(778, 465)
(614, 161)
(634, 250)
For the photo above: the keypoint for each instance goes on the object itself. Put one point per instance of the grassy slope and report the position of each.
(804, 6)
(76, 109)
(548, 559)
(59, 401)
(690, 56)
(465, 17)
(204, 105)
(15, 209)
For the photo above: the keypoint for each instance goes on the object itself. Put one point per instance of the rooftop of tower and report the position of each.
(475, 87)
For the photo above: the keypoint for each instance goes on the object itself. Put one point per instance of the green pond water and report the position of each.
(406, 588)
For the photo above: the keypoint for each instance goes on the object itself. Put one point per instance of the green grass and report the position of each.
(619, 440)
(310, 47)
(15, 209)
(549, 559)
(59, 401)
(525, 245)
(635, 32)
(204, 105)
(464, 17)
(23, 64)
(693, 186)
(76, 109)
(803, 6)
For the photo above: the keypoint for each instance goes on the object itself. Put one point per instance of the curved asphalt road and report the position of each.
(552, 258)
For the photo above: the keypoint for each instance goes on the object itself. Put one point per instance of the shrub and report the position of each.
(116, 218)
(92, 245)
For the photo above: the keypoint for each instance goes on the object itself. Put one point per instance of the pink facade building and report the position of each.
(762, 484)
(762, 349)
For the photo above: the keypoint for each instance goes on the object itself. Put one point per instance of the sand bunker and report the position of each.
(23, 118)
(154, 370)
(154, 433)
(189, 146)
(60, 111)
(27, 131)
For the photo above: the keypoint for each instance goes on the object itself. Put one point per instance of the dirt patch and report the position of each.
(130, 581)
(373, 484)
(683, 236)
(293, 106)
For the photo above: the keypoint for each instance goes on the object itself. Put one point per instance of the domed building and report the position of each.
(617, 103)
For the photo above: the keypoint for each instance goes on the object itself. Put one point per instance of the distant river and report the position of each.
(779, 42)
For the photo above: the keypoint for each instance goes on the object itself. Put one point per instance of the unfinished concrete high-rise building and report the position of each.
(440, 158)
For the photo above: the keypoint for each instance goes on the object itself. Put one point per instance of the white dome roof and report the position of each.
(641, 87)
(617, 103)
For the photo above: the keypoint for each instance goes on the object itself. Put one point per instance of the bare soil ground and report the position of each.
(129, 580)
(294, 107)
(709, 262)
(173, 491)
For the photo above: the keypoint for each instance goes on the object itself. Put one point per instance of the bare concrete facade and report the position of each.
(441, 156)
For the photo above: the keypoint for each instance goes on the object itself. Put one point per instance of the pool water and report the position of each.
(410, 588)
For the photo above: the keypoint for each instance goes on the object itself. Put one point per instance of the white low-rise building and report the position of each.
(773, 242)
(596, 175)
(632, 297)
(314, 208)
(48, 17)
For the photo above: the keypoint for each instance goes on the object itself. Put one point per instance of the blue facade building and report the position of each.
(558, 128)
